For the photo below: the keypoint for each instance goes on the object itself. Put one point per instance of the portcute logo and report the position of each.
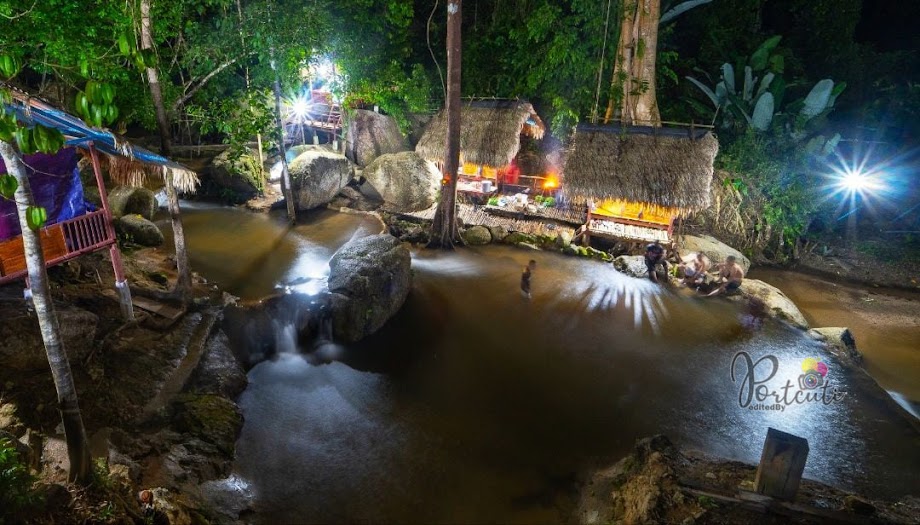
(755, 393)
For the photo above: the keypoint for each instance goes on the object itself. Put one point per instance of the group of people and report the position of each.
(694, 272)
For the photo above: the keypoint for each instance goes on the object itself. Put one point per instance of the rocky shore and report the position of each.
(157, 398)
(659, 483)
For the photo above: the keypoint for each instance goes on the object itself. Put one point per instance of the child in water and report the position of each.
(525, 278)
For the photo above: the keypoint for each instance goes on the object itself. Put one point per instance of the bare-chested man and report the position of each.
(731, 275)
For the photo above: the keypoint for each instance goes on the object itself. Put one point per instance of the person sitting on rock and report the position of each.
(694, 272)
(730, 277)
(654, 258)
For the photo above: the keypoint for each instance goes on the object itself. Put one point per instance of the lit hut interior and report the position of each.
(490, 138)
(637, 180)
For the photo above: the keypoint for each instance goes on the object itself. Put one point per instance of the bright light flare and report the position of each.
(300, 108)
(859, 182)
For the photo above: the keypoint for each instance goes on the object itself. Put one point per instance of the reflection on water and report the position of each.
(475, 405)
(255, 255)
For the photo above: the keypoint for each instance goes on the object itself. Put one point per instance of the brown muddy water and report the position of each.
(885, 323)
(474, 405)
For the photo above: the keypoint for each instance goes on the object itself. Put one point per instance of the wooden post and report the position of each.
(121, 282)
(781, 465)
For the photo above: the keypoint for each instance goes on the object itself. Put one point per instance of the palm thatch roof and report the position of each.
(664, 166)
(490, 132)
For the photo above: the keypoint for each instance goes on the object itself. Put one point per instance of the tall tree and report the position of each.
(183, 287)
(633, 86)
(444, 230)
(74, 431)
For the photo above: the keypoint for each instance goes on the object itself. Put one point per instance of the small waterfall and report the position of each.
(285, 336)
(325, 349)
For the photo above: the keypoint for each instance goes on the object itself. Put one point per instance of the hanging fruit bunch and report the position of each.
(95, 104)
(142, 58)
(9, 66)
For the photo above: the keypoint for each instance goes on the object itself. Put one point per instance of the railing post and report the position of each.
(121, 282)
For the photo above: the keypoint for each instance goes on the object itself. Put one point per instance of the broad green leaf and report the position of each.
(763, 112)
(728, 76)
(817, 99)
(761, 57)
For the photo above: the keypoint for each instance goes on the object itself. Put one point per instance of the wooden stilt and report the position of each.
(121, 282)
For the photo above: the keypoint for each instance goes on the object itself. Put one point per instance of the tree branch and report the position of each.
(189, 93)
(22, 14)
(679, 9)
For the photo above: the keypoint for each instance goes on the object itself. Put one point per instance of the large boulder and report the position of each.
(777, 304)
(317, 177)
(371, 135)
(713, 248)
(125, 200)
(476, 236)
(369, 280)
(233, 177)
(139, 230)
(405, 181)
(21, 346)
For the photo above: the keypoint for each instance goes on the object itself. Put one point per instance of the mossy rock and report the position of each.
(210, 418)
(518, 237)
(125, 200)
(498, 233)
(476, 236)
(138, 230)
(233, 176)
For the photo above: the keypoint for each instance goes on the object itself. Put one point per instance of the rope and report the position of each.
(428, 39)
(600, 66)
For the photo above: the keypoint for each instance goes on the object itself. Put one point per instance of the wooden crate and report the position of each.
(12, 256)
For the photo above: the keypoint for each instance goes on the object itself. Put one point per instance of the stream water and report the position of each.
(474, 405)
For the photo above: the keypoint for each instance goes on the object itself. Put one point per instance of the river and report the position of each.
(473, 405)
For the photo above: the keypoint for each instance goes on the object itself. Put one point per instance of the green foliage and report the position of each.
(758, 103)
(16, 495)
(546, 51)
(237, 120)
(394, 92)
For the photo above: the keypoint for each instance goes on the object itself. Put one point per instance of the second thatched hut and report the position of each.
(490, 138)
(637, 179)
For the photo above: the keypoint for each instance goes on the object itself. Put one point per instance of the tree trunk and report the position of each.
(239, 14)
(633, 84)
(285, 174)
(444, 231)
(74, 431)
(183, 288)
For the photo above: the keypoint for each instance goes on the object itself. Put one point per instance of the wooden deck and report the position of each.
(60, 242)
(487, 216)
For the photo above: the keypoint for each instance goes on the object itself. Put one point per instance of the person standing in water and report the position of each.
(525, 278)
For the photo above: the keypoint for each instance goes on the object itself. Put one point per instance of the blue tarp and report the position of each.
(56, 185)
(30, 110)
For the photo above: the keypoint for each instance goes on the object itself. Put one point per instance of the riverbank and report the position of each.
(157, 396)
(659, 483)
(885, 323)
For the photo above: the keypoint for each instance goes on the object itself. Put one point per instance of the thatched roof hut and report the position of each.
(490, 132)
(662, 166)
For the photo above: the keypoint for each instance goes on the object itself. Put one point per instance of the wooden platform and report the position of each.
(12, 254)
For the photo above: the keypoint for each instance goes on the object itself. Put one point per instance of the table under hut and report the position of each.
(73, 226)
(490, 139)
(637, 180)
